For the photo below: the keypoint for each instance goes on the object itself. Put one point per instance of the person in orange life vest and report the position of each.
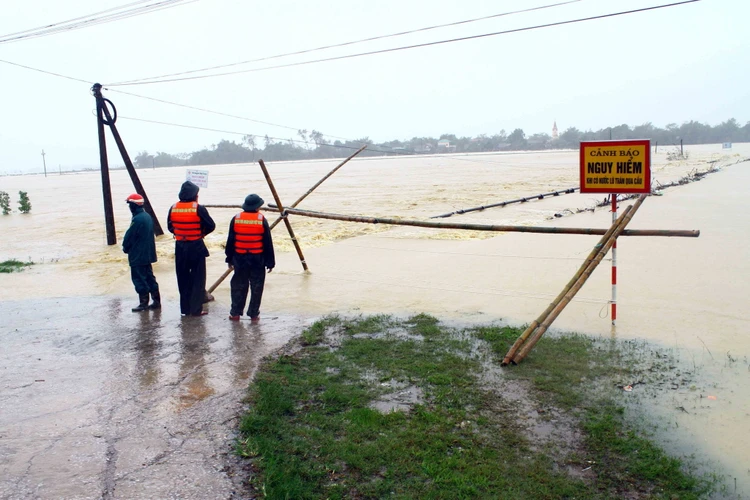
(250, 250)
(140, 245)
(190, 222)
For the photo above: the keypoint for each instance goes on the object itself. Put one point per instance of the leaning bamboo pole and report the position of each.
(281, 209)
(621, 223)
(534, 324)
(486, 227)
(299, 200)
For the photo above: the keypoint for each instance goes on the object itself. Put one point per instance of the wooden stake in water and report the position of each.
(281, 209)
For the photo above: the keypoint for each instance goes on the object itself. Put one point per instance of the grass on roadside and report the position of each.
(316, 430)
(13, 265)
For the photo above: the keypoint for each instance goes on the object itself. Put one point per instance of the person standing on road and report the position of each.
(249, 250)
(140, 245)
(190, 223)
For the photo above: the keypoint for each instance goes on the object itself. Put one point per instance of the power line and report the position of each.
(420, 45)
(325, 47)
(46, 26)
(198, 109)
(87, 82)
(93, 19)
(215, 112)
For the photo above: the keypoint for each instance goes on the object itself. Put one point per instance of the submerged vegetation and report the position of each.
(5, 202)
(376, 406)
(13, 265)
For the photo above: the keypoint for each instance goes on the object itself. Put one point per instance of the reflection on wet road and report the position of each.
(99, 402)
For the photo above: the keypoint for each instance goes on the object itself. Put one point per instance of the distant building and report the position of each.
(555, 135)
(445, 146)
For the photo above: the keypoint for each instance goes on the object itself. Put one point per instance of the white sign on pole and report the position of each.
(198, 177)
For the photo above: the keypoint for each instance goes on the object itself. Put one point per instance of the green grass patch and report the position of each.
(317, 427)
(13, 265)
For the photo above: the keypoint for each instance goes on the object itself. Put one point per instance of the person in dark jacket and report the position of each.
(249, 250)
(140, 245)
(190, 223)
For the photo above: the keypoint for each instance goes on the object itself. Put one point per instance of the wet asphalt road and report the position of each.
(100, 402)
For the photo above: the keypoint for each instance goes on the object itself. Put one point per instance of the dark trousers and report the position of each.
(143, 279)
(246, 276)
(190, 264)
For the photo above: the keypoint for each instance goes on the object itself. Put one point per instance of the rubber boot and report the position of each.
(143, 306)
(156, 304)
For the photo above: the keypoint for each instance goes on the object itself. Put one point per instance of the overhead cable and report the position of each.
(94, 19)
(215, 112)
(88, 82)
(326, 47)
(408, 47)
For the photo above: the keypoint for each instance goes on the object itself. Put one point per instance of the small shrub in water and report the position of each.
(5, 202)
(24, 205)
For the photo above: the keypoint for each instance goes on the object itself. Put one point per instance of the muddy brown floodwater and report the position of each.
(99, 402)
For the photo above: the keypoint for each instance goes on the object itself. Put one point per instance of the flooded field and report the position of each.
(688, 295)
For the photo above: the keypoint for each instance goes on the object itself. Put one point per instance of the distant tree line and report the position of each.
(313, 145)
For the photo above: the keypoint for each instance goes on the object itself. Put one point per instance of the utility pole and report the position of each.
(45, 163)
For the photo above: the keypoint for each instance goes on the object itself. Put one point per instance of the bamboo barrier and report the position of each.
(486, 227)
(534, 324)
(281, 209)
(504, 203)
(619, 227)
(299, 200)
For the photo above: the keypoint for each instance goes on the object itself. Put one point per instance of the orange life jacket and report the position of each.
(185, 221)
(248, 230)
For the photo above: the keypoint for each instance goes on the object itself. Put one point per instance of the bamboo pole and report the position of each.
(299, 200)
(534, 324)
(486, 227)
(504, 203)
(529, 344)
(265, 209)
(281, 209)
(221, 278)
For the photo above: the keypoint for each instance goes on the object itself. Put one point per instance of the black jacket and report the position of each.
(266, 259)
(139, 241)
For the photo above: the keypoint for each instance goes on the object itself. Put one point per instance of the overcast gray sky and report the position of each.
(688, 62)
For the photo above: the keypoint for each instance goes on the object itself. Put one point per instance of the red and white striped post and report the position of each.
(614, 262)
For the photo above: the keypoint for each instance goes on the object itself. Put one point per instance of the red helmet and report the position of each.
(135, 198)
